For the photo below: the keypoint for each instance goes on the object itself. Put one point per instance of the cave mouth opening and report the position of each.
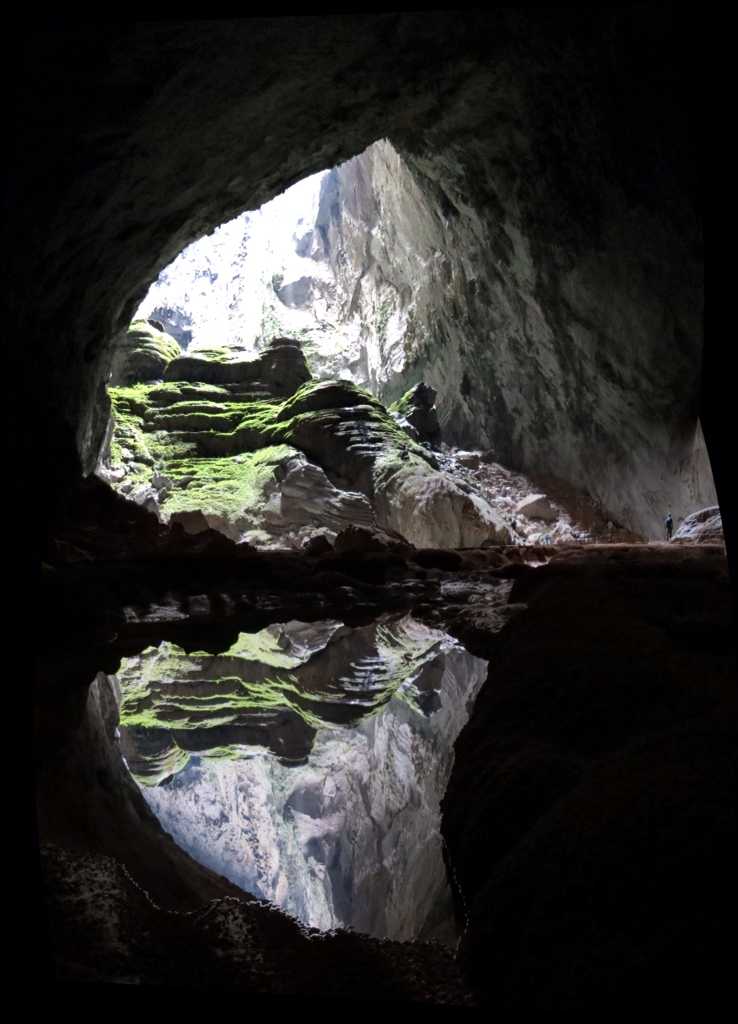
(306, 764)
(308, 265)
(253, 392)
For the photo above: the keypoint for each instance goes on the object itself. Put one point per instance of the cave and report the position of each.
(541, 172)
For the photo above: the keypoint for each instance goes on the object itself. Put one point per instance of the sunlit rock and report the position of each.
(536, 506)
(431, 509)
(416, 410)
(703, 527)
(222, 448)
(143, 354)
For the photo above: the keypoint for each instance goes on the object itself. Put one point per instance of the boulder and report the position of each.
(472, 460)
(702, 527)
(430, 510)
(317, 545)
(191, 520)
(358, 539)
(143, 355)
(536, 506)
(417, 407)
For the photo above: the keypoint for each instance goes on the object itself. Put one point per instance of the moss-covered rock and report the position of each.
(231, 453)
(281, 368)
(232, 490)
(416, 412)
(143, 355)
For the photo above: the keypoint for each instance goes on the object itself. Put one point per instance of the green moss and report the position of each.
(403, 404)
(232, 699)
(232, 486)
(216, 354)
(262, 647)
(220, 450)
(234, 753)
(170, 392)
(143, 354)
(318, 395)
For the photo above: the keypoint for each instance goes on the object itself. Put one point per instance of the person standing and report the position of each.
(669, 523)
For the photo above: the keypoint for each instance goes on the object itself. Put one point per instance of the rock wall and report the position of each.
(603, 767)
(570, 348)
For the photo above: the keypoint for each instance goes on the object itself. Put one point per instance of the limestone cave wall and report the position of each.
(554, 151)
(564, 338)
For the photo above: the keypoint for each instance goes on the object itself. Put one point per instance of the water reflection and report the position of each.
(306, 764)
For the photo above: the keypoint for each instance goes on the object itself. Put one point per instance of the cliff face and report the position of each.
(569, 350)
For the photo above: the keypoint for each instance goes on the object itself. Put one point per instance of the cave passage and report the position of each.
(307, 763)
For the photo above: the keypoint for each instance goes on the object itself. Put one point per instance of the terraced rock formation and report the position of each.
(263, 453)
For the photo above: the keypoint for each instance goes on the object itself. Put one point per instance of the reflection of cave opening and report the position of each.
(306, 764)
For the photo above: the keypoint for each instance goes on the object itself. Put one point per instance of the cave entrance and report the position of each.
(310, 265)
(253, 391)
(307, 763)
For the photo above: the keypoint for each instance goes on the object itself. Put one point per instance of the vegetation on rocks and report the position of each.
(233, 486)
(143, 354)
(219, 443)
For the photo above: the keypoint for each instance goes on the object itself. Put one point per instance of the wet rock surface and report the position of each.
(228, 945)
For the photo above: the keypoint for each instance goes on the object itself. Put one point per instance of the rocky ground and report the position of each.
(546, 511)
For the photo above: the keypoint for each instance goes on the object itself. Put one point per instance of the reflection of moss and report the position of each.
(234, 753)
(231, 699)
(162, 765)
(175, 704)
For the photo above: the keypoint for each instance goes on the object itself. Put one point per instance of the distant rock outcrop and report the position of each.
(703, 527)
(536, 506)
(259, 451)
(143, 355)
